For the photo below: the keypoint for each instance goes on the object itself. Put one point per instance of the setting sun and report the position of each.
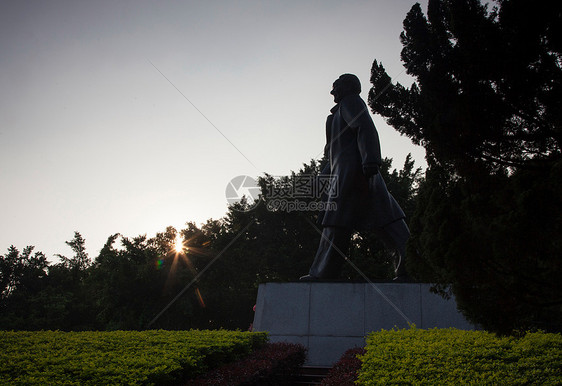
(178, 244)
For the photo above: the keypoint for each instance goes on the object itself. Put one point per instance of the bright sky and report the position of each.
(93, 138)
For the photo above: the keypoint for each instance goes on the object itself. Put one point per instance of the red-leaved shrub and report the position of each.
(345, 371)
(274, 364)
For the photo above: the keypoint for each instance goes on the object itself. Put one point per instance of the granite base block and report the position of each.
(330, 318)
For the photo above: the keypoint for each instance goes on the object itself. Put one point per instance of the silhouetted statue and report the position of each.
(360, 199)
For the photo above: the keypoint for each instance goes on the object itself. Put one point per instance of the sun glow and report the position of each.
(178, 244)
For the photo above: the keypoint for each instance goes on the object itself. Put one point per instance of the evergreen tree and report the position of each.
(486, 107)
(80, 261)
(22, 276)
(488, 85)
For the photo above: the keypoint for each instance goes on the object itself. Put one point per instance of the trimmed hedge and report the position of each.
(274, 364)
(118, 357)
(450, 356)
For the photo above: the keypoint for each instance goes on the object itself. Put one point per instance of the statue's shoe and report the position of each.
(309, 278)
(402, 279)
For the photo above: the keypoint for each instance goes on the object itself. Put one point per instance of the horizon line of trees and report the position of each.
(222, 264)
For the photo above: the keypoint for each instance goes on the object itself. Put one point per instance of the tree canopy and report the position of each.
(485, 104)
(488, 88)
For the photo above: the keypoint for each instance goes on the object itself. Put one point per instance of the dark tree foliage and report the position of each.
(22, 276)
(42, 296)
(132, 284)
(497, 247)
(24, 271)
(488, 88)
(80, 261)
(486, 106)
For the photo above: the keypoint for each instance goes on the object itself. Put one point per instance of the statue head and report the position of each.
(346, 84)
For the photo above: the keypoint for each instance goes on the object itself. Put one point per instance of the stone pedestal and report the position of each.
(329, 318)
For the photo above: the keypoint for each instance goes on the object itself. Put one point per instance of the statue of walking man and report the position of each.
(360, 198)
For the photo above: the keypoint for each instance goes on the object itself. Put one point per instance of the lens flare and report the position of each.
(200, 298)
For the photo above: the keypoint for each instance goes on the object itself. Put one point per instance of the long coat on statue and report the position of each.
(356, 202)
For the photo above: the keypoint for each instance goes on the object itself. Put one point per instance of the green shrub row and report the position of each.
(118, 357)
(450, 356)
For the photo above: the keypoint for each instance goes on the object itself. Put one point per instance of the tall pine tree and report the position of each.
(486, 106)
